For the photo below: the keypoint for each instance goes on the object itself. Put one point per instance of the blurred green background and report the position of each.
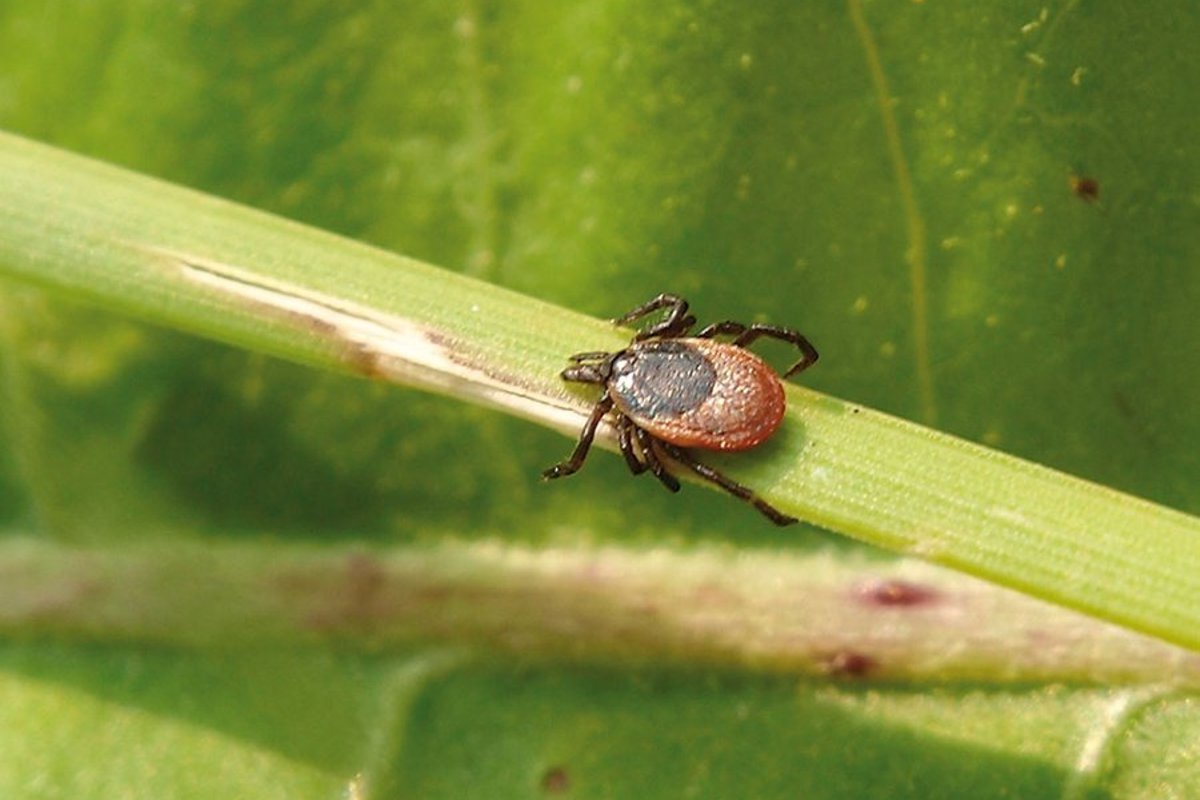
(897, 179)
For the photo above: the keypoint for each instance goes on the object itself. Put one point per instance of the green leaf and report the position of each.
(895, 179)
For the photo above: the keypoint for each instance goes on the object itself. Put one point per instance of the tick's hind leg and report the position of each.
(576, 459)
(728, 484)
(647, 442)
(638, 450)
(745, 334)
(633, 460)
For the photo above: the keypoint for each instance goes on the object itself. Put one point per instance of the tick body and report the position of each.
(698, 393)
(670, 393)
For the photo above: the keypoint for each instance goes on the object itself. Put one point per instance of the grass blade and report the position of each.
(197, 263)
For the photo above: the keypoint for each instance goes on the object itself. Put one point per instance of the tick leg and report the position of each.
(572, 464)
(638, 448)
(646, 443)
(728, 328)
(808, 353)
(625, 438)
(676, 323)
(591, 355)
(729, 485)
(745, 334)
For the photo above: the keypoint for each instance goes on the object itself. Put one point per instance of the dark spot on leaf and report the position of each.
(897, 593)
(1085, 188)
(364, 361)
(849, 664)
(556, 781)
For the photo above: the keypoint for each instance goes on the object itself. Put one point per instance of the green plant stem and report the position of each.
(764, 612)
(197, 263)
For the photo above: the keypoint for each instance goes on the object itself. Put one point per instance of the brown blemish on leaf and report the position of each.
(354, 601)
(555, 781)
(1085, 188)
(849, 664)
(897, 593)
(456, 353)
(368, 342)
(358, 357)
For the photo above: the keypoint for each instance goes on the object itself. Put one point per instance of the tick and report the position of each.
(671, 393)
